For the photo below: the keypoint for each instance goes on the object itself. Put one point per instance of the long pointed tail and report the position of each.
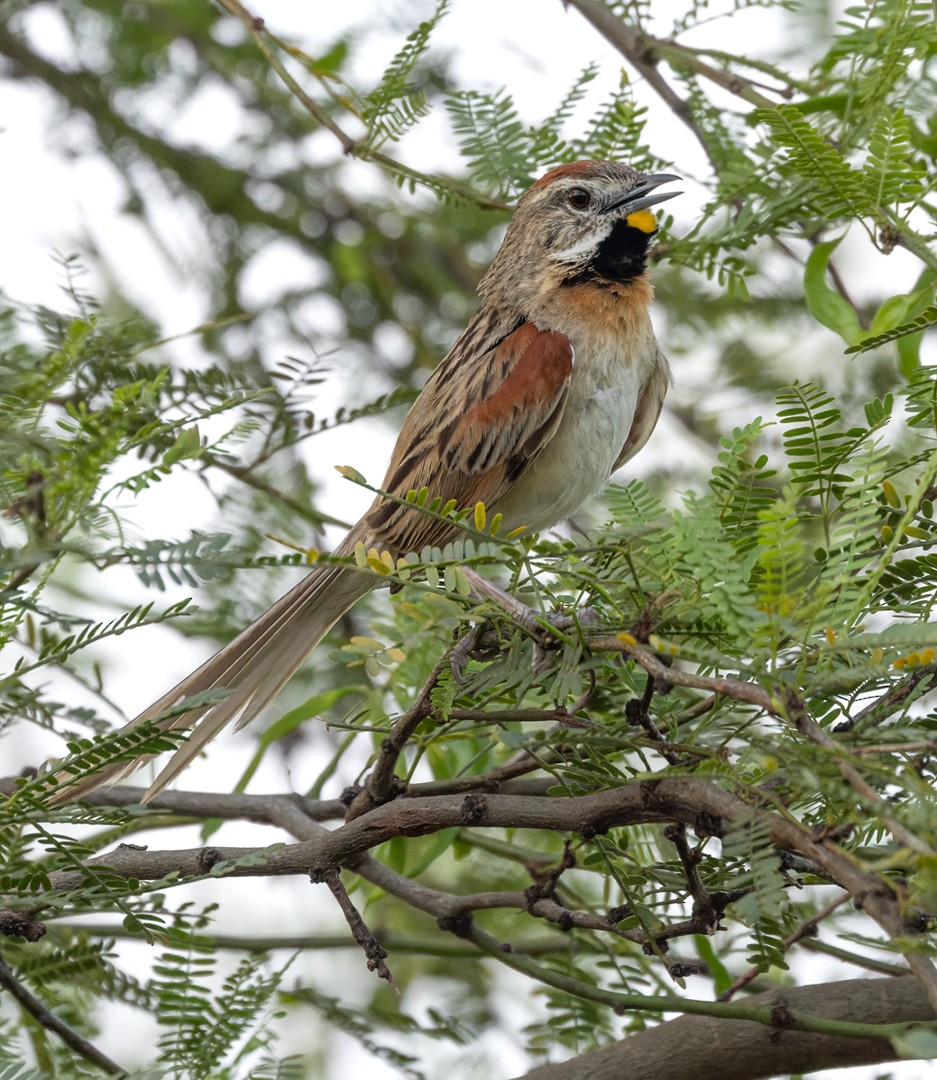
(253, 668)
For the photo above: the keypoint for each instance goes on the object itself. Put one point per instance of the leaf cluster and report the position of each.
(800, 568)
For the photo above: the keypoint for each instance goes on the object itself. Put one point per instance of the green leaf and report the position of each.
(188, 444)
(492, 138)
(834, 188)
(286, 724)
(916, 1043)
(722, 978)
(924, 321)
(827, 306)
(891, 173)
(399, 101)
(921, 394)
(16, 1071)
(894, 314)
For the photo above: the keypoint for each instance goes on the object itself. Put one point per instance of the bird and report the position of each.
(556, 382)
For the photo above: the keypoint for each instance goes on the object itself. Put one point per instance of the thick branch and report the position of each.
(202, 804)
(704, 806)
(707, 1048)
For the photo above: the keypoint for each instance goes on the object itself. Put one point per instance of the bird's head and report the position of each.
(583, 221)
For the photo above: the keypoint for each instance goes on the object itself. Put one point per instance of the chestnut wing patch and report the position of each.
(515, 409)
(471, 433)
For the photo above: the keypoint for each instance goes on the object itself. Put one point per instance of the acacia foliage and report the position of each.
(765, 636)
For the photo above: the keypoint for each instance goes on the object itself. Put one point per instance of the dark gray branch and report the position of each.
(44, 1016)
(698, 803)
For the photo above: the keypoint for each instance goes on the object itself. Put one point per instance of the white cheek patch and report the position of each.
(588, 245)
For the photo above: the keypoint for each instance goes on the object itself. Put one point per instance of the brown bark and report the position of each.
(706, 1048)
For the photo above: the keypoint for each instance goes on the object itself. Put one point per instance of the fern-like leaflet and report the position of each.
(893, 176)
(834, 187)
(397, 103)
(491, 137)
(818, 449)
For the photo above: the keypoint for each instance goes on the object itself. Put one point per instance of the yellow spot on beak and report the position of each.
(643, 220)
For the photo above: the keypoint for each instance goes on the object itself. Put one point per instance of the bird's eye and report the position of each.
(578, 198)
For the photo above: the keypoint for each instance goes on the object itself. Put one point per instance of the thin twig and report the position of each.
(745, 692)
(883, 707)
(518, 612)
(867, 963)
(380, 785)
(927, 745)
(636, 48)
(637, 711)
(788, 706)
(808, 726)
(47, 1019)
(374, 951)
(461, 653)
(806, 929)
(245, 474)
(549, 943)
(643, 50)
(676, 834)
(357, 148)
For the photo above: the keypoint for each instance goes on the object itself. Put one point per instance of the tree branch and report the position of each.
(379, 786)
(546, 944)
(806, 929)
(351, 147)
(709, 1048)
(373, 950)
(47, 1019)
(698, 803)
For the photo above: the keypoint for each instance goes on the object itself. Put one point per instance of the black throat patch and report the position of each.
(622, 256)
(623, 253)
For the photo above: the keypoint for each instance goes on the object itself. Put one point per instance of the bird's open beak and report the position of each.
(640, 197)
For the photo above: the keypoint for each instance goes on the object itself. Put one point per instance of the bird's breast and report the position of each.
(610, 368)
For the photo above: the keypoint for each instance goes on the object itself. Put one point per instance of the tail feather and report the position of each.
(254, 667)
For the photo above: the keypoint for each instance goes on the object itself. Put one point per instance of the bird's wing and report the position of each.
(470, 438)
(650, 403)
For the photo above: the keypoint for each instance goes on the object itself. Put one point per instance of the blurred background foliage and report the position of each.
(330, 276)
